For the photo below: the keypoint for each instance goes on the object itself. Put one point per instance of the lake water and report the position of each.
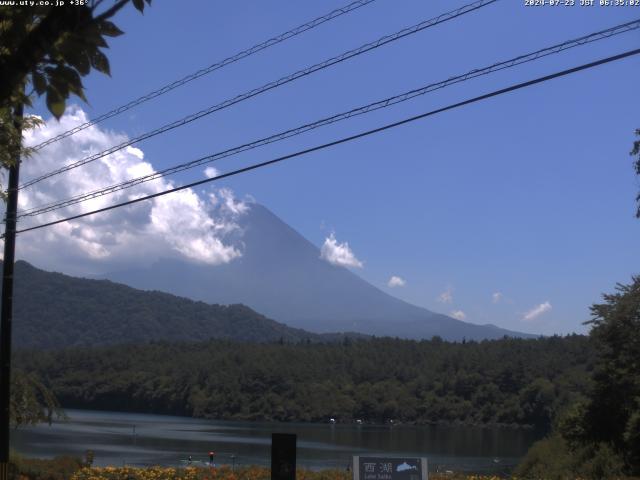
(140, 439)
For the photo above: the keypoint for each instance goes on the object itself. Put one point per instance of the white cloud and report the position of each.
(496, 297)
(458, 314)
(535, 312)
(136, 152)
(446, 296)
(211, 172)
(230, 204)
(396, 282)
(338, 253)
(183, 223)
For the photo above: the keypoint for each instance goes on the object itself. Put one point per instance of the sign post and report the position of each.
(283, 456)
(390, 468)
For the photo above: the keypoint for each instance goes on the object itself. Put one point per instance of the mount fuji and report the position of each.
(281, 275)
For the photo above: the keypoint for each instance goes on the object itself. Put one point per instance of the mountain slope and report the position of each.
(282, 276)
(52, 310)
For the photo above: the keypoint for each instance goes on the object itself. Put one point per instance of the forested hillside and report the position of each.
(509, 381)
(52, 310)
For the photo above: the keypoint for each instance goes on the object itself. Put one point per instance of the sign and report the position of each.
(390, 468)
(283, 456)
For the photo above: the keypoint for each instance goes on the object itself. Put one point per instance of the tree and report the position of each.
(613, 412)
(599, 436)
(50, 49)
(636, 151)
(31, 401)
(53, 47)
(10, 140)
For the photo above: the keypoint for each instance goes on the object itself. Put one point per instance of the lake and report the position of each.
(142, 440)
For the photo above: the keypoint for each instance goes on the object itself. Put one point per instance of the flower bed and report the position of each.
(226, 473)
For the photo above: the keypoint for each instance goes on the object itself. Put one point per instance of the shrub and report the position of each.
(58, 468)
(549, 459)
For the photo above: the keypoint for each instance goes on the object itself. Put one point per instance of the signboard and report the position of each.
(390, 468)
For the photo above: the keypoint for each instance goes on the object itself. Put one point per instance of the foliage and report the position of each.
(509, 381)
(612, 415)
(52, 310)
(10, 135)
(68, 468)
(49, 48)
(635, 151)
(58, 468)
(226, 473)
(31, 402)
(599, 437)
(548, 458)
(554, 459)
(152, 473)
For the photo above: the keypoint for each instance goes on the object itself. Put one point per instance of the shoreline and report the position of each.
(353, 423)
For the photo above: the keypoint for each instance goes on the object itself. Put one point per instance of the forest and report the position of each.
(509, 381)
(53, 310)
(584, 391)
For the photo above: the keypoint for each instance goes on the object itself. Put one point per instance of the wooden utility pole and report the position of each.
(7, 299)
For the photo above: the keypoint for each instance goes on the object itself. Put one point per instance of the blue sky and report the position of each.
(530, 194)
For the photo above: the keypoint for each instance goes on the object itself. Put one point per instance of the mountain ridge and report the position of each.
(54, 310)
(281, 275)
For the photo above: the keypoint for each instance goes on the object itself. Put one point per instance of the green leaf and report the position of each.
(139, 4)
(98, 41)
(87, 36)
(93, 36)
(39, 82)
(69, 74)
(100, 62)
(59, 84)
(73, 81)
(109, 29)
(78, 90)
(55, 102)
(81, 63)
(75, 55)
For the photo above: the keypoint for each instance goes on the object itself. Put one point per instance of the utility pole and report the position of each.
(6, 313)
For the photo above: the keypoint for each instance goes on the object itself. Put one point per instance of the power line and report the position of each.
(211, 68)
(529, 57)
(269, 86)
(299, 153)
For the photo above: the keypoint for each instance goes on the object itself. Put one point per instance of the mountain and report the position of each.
(52, 310)
(281, 275)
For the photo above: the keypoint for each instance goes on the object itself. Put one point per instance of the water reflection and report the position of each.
(140, 439)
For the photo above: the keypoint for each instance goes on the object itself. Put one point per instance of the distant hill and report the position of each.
(282, 276)
(52, 310)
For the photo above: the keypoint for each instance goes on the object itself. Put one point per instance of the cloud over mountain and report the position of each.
(395, 281)
(446, 296)
(339, 253)
(185, 223)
